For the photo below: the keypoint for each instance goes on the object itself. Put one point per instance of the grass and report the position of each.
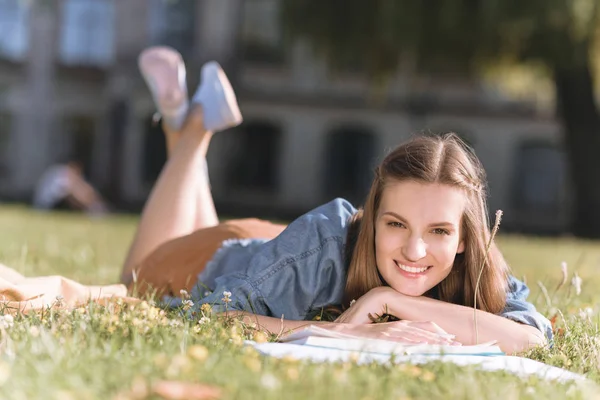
(96, 353)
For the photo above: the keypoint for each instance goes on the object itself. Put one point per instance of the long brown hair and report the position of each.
(433, 159)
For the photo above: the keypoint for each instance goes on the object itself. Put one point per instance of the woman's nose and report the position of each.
(415, 249)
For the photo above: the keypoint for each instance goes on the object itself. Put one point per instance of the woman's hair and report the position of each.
(433, 159)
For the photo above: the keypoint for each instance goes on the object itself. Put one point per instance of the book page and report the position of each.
(319, 337)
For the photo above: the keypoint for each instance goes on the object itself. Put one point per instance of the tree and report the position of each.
(462, 36)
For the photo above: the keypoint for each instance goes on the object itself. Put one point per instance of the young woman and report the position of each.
(415, 251)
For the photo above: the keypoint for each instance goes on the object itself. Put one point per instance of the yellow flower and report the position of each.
(161, 360)
(139, 388)
(4, 372)
(340, 375)
(237, 340)
(198, 352)
(253, 364)
(179, 364)
(412, 370)
(290, 360)
(260, 337)
(292, 373)
(206, 309)
(428, 376)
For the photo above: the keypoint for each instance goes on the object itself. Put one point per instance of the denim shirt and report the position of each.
(303, 270)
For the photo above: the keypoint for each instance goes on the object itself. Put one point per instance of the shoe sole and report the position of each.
(227, 104)
(166, 63)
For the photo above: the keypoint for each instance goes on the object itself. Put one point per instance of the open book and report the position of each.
(318, 337)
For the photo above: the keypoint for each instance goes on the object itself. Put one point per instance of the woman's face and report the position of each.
(418, 234)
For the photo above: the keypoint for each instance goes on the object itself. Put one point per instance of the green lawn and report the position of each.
(94, 353)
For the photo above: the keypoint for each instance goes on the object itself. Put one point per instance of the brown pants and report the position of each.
(176, 264)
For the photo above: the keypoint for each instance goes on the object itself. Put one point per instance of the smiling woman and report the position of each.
(416, 251)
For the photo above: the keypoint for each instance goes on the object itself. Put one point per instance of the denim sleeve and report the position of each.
(520, 310)
(296, 272)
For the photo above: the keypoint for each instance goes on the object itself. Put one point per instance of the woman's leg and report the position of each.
(219, 111)
(181, 201)
(171, 210)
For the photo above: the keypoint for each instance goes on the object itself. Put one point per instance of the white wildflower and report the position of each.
(184, 294)
(6, 321)
(564, 270)
(530, 390)
(175, 323)
(34, 331)
(576, 282)
(586, 313)
(204, 320)
(226, 297)
(269, 381)
(187, 304)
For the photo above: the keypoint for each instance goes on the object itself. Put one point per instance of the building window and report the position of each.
(262, 38)
(540, 177)
(14, 32)
(5, 134)
(87, 34)
(155, 151)
(172, 23)
(254, 160)
(351, 157)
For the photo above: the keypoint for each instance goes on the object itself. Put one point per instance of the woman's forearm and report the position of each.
(459, 320)
(275, 325)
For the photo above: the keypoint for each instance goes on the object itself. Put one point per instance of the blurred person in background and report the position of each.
(63, 187)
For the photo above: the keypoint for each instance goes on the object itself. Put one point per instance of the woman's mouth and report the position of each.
(411, 271)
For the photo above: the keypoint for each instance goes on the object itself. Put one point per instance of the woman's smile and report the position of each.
(412, 271)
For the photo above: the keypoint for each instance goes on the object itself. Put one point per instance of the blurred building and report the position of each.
(69, 84)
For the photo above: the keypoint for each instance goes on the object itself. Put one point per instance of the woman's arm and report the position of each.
(400, 331)
(459, 320)
(274, 325)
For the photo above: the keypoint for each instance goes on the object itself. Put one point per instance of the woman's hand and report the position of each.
(373, 302)
(407, 332)
(355, 321)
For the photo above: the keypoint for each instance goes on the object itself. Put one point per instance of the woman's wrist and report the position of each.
(394, 302)
(389, 304)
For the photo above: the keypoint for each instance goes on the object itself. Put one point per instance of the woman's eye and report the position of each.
(440, 231)
(396, 224)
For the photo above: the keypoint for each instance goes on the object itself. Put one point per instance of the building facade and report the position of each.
(69, 84)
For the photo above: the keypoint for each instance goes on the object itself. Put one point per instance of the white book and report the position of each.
(318, 337)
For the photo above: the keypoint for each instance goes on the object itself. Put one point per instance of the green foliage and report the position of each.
(443, 36)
